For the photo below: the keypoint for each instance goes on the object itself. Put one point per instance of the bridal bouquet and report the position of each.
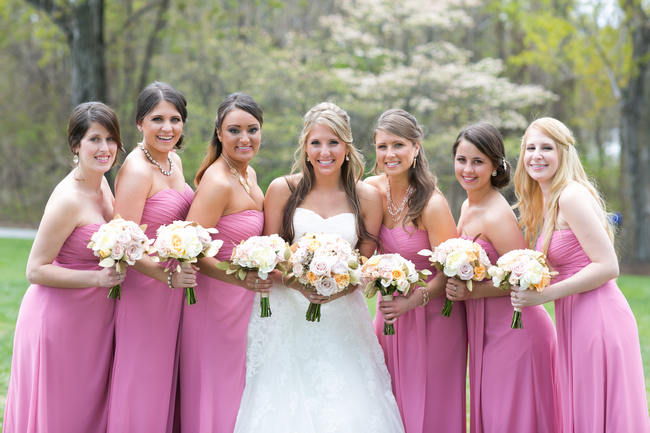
(117, 243)
(460, 258)
(258, 253)
(523, 269)
(387, 274)
(185, 241)
(326, 263)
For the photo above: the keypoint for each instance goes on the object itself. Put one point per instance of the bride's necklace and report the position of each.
(154, 162)
(242, 180)
(394, 211)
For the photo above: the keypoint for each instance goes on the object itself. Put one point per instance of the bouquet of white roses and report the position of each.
(325, 262)
(258, 253)
(387, 274)
(117, 243)
(524, 269)
(185, 241)
(460, 258)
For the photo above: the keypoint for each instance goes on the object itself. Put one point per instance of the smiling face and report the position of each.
(395, 154)
(473, 168)
(325, 150)
(161, 127)
(240, 135)
(97, 149)
(541, 157)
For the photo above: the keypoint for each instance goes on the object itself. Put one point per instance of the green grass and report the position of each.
(14, 253)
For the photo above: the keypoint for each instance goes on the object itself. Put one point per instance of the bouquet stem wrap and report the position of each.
(389, 329)
(265, 305)
(313, 312)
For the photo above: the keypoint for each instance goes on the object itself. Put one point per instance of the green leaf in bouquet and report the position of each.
(241, 273)
(224, 266)
(420, 283)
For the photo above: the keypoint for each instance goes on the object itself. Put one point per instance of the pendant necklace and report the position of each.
(394, 211)
(154, 162)
(242, 180)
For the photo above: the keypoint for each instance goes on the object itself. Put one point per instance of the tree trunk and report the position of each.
(635, 139)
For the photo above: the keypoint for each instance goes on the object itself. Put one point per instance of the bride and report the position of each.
(327, 376)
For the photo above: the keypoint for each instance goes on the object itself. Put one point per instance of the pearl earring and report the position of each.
(75, 159)
(494, 172)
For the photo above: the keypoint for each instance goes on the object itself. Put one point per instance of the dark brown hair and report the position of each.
(403, 124)
(233, 101)
(158, 91)
(487, 139)
(86, 114)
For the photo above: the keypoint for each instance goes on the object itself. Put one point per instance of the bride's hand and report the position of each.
(254, 283)
(277, 277)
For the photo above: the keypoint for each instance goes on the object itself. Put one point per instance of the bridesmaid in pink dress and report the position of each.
(427, 356)
(63, 347)
(213, 335)
(150, 189)
(512, 372)
(599, 357)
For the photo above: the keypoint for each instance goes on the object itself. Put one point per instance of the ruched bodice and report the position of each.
(74, 253)
(565, 254)
(237, 227)
(407, 243)
(164, 207)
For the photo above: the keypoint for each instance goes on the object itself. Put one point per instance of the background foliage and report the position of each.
(450, 62)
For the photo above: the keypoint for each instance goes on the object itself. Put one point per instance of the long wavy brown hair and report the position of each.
(403, 124)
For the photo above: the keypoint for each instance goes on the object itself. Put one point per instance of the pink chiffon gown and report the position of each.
(213, 339)
(147, 327)
(512, 372)
(63, 350)
(427, 356)
(599, 357)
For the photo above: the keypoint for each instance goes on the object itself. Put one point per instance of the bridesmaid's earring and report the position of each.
(75, 159)
(415, 160)
(347, 157)
(494, 172)
(307, 159)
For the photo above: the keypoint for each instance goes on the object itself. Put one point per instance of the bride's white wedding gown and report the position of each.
(320, 377)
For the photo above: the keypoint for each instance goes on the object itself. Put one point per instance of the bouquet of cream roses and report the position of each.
(258, 253)
(387, 274)
(326, 263)
(185, 241)
(117, 243)
(460, 258)
(523, 269)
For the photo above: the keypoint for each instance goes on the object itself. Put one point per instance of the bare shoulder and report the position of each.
(215, 178)
(280, 186)
(575, 193)
(436, 204)
(65, 204)
(376, 181)
(366, 191)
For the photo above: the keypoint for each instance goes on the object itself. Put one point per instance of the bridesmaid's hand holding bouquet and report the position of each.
(521, 270)
(326, 264)
(185, 241)
(390, 273)
(460, 258)
(118, 243)
(262, 254)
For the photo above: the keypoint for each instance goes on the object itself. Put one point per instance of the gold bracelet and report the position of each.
(425, 296)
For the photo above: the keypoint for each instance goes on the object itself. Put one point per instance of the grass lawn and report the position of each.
(13, 257)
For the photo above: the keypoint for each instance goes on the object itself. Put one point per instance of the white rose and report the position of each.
(326, 286)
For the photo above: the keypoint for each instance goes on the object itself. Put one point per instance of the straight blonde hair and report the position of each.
(530, 201)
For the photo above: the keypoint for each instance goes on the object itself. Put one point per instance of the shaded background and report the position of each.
(449, 62)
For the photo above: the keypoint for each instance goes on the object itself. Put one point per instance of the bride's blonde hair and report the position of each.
(530, 201)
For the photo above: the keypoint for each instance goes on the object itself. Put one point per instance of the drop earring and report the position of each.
(75, 159)
(494, 172)
(347, 157)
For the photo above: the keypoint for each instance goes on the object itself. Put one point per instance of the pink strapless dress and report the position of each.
(213, 339)
(63, 350)
(600, 368)
(147, 326)
(427, 356)
(512, 372)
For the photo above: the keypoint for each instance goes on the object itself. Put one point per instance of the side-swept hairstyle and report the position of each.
(335, 118)
(87, 113)
(488, 140)
(529, 194)
(158, 91)
(233, 101)
(403, 124)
